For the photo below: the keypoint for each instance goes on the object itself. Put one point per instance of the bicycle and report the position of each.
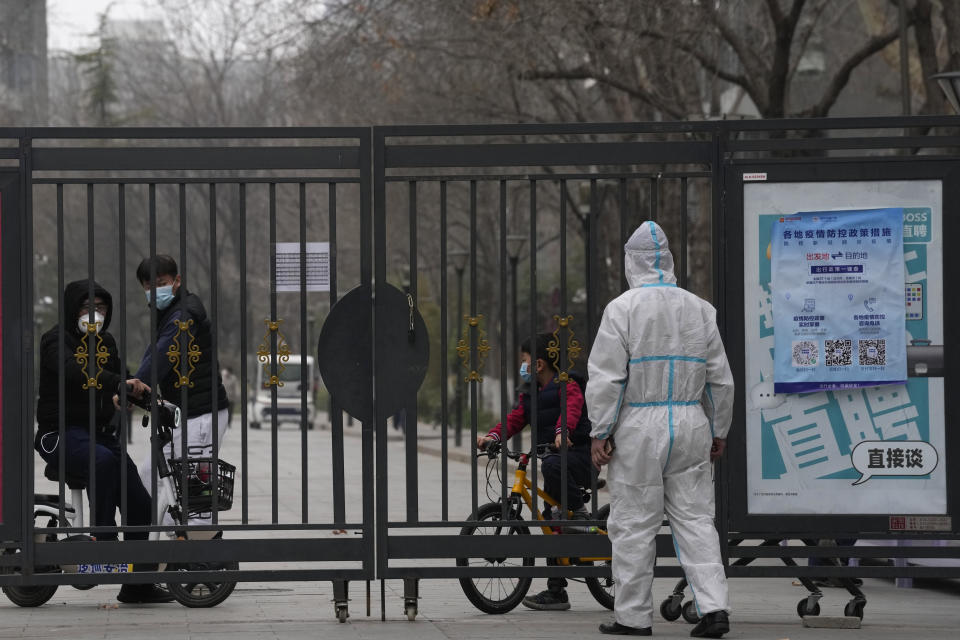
(508, 597)
(170, 488)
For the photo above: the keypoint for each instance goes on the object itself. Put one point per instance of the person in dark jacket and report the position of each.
(86, 329)
(542, 376)
(180, 313)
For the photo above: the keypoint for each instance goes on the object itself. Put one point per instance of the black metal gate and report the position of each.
(476, 200)
(235, 209)
(456, 243)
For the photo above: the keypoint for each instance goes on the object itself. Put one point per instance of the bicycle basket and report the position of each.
(200, 484)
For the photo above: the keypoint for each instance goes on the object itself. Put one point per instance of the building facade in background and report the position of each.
(23, 62)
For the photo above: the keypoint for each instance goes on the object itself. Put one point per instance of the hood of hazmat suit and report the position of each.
(660, 385)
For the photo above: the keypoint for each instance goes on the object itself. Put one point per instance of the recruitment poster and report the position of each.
(859, 448)
(838, 300)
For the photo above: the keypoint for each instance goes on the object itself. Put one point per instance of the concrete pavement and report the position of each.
(763, 608)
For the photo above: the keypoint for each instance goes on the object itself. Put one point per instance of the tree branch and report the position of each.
(776, 15)
(795, 11)
(582, 73)
(804, 38)
(842, 76)
(785, 29)
(748, 59)
(711, 65)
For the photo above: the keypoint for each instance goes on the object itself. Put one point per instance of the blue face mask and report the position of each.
(525, 374)
(164, 296)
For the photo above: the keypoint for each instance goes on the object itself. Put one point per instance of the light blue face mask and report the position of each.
(164, 296)
(525, 374)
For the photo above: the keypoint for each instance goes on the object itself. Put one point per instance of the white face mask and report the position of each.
(84, 320)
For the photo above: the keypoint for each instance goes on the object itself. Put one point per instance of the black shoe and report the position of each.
(579, 514)
(712, 625)
(617, 629)
(548, 601)
(143, 594)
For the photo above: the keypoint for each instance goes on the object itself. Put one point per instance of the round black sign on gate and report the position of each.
(344, 357)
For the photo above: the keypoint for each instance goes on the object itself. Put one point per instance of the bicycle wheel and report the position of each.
(202, 594)
(32, 596)
(492, 594)
(603, 589)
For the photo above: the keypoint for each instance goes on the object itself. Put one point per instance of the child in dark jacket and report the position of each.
(542, 377)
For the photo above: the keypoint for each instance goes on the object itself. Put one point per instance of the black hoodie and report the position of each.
(77, 411)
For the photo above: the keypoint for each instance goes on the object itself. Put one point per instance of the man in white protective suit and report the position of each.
(659, 383)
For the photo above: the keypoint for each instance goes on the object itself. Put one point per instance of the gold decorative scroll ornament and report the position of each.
(82, 356)
(463, 347)
(264, 353)
(175, 352)
(573, 348)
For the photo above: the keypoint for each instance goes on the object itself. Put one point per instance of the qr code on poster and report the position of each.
(838, 353)
(805, 353)
(873, 352)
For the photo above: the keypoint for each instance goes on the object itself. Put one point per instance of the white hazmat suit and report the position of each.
(661, 384)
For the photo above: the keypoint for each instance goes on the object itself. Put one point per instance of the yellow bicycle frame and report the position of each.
(521, 487)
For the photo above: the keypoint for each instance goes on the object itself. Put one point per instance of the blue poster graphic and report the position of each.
(838, 300)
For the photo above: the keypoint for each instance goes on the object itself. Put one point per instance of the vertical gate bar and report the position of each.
(503, 348)
(655, 199)
(410, 418)
(624, 236)
(244, 453)
(592, 275)
(444, 367)
(26, 399)
(274, 481)
(184, 282)
(152, 230)
(719, 241)
(683, 232)
(717, 227)
(379, 250)
(215, 369)
(622, 196)
(91, 363)
(473, 344)
(515, 339)
(304, 353)
(534, 467)
(562, 362)
(124, 421)
(61, 358)
(336, 414)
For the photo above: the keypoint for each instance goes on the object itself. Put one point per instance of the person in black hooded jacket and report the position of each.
(79, 315)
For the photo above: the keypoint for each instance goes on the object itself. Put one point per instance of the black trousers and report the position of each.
(109, 459)
(579, 470)
(578, 475)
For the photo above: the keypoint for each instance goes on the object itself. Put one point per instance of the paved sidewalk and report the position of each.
(763, 608)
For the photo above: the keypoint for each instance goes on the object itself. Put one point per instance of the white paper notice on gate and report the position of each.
(317, 261)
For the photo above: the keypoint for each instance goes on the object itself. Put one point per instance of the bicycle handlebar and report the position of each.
(167, 411)
(496, 448)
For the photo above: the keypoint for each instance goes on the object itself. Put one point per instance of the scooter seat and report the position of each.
(51, 472)
(48, 500)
